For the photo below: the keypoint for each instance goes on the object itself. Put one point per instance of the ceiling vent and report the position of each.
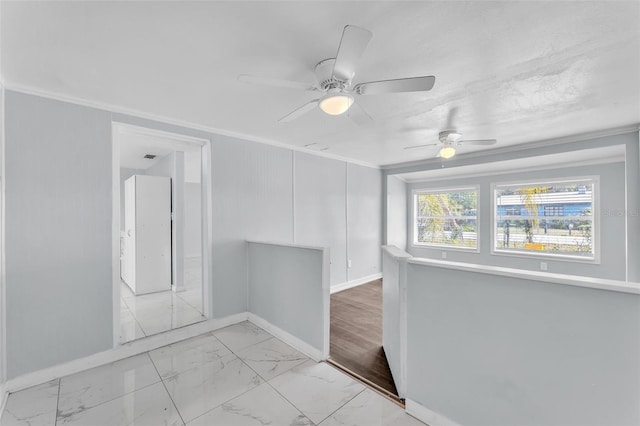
(150, 156)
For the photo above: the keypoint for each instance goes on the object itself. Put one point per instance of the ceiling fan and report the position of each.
(334, 81)
(451, 138)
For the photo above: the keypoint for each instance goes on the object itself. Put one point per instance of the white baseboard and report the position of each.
(126, 350)
(355, 283)
(291, 340)
(427, 416)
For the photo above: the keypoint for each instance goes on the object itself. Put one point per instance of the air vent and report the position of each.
(150, 156)
(316, 146)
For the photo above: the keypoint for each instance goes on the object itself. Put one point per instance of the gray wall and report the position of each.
(2, 162)
(364, 220)
(320, 206)
(58, 232)
(285, 288)
(492, 350)
(58, 221)
(632, 214)
(339, 205)
(192, 219)
(612, 234)
(396, 217)
(252, 200)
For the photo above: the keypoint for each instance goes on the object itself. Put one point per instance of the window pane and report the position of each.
(446, 218)
(453, 232)
(545, 218)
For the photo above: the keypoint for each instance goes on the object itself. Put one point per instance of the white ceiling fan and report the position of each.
(335, 77)
(451, 138)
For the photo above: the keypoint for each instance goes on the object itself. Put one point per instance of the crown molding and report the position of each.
(29, 90)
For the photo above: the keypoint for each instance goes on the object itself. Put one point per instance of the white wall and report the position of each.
(172, 166)
(192, 219)
(125, 174)
(58, 232)
(485, 349)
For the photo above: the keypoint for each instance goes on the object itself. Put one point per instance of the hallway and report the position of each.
(356, 335)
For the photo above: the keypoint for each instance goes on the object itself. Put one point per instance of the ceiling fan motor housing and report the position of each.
(449, 136)
(324, 74)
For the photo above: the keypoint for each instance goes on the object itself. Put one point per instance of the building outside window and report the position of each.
(552, 218)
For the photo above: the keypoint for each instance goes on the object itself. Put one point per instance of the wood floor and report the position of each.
(356, 334)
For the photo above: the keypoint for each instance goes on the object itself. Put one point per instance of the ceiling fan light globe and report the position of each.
(447, 152)
(336, 104)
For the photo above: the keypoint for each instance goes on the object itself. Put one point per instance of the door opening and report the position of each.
(161, 211)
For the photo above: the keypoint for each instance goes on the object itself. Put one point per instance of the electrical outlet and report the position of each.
(444, 254)
(543, 266)
(349, 263)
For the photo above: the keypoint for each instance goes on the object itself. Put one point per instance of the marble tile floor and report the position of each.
(238, 375)
(150, 314)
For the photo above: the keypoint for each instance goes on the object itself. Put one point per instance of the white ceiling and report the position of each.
(518, 71)
(134, 144)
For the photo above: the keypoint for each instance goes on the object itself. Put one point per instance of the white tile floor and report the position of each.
(239, 375)
(150, 314)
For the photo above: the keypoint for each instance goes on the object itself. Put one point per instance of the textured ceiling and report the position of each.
(518, 71)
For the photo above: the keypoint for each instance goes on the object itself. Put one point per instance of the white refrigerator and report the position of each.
(146, 261)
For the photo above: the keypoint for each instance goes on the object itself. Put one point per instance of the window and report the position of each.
(554, 210)
(446, 218)
(551, 218)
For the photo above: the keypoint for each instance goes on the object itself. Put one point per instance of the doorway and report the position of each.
(356, 337)
(160, 231)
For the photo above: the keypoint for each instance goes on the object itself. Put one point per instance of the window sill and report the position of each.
(546, 256)
(445, 248)
(572, 280)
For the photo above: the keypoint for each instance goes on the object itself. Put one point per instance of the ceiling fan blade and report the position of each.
(478, 142)
(413, 84)
(354, 41)
(275, 82)
(421, 146)
(453, 112)
(359, 115)
(300, 111)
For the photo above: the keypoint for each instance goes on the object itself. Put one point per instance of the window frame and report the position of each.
(595, 235)
(443, 247)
